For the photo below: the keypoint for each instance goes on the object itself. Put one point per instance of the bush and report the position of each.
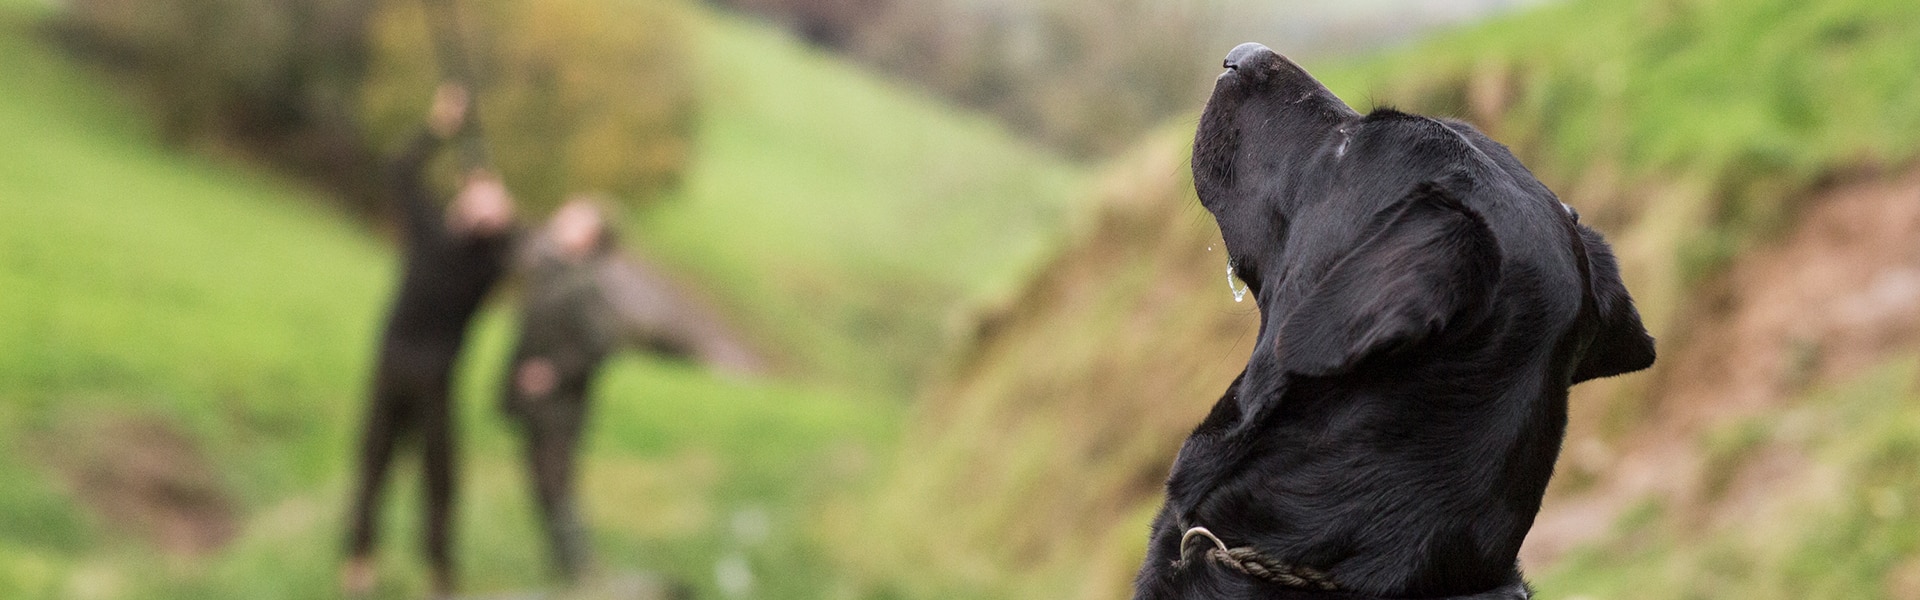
(250, 67)
(572, 95)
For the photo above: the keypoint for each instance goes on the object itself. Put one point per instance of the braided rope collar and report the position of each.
(1247, 561)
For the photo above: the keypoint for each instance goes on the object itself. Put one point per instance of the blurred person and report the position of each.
(453, 259)
(582, 301)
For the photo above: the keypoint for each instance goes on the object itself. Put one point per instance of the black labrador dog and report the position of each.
(1424, 305)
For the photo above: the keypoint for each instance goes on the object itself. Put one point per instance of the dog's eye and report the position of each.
(1570, 211)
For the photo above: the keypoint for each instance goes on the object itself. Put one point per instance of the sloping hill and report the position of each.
(1704, 137)
(1031, 471)
(184, 343)
(845, 216)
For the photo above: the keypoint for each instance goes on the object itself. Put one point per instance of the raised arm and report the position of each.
(651, 312)
(407, 173)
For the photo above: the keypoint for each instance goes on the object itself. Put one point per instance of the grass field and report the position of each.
(184, 342)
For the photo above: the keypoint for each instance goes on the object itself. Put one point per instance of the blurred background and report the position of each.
(965, 234)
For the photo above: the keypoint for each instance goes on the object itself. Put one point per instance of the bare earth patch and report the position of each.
(147, 478)
(1830, 298)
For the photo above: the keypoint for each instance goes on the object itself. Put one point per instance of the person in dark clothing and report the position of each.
(583, 300)
(452, 260)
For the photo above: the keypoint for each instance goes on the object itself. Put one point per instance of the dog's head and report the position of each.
(1357, 234)
(1266, 119)
(1411, 276)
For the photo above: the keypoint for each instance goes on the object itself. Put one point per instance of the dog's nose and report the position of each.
(1248, 55)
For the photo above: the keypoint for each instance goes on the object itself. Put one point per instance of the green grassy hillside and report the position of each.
(1708, 116)
(846, 216)
(1694, 133)
(184, 343)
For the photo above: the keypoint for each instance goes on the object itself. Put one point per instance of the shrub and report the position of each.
(572, 95)
(252, 67)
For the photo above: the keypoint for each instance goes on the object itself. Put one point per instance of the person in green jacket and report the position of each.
(582, 300)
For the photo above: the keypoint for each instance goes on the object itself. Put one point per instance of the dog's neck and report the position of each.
(1226, 439)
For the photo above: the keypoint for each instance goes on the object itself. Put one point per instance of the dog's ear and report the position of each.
(1422, 264)
(1621, 345)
